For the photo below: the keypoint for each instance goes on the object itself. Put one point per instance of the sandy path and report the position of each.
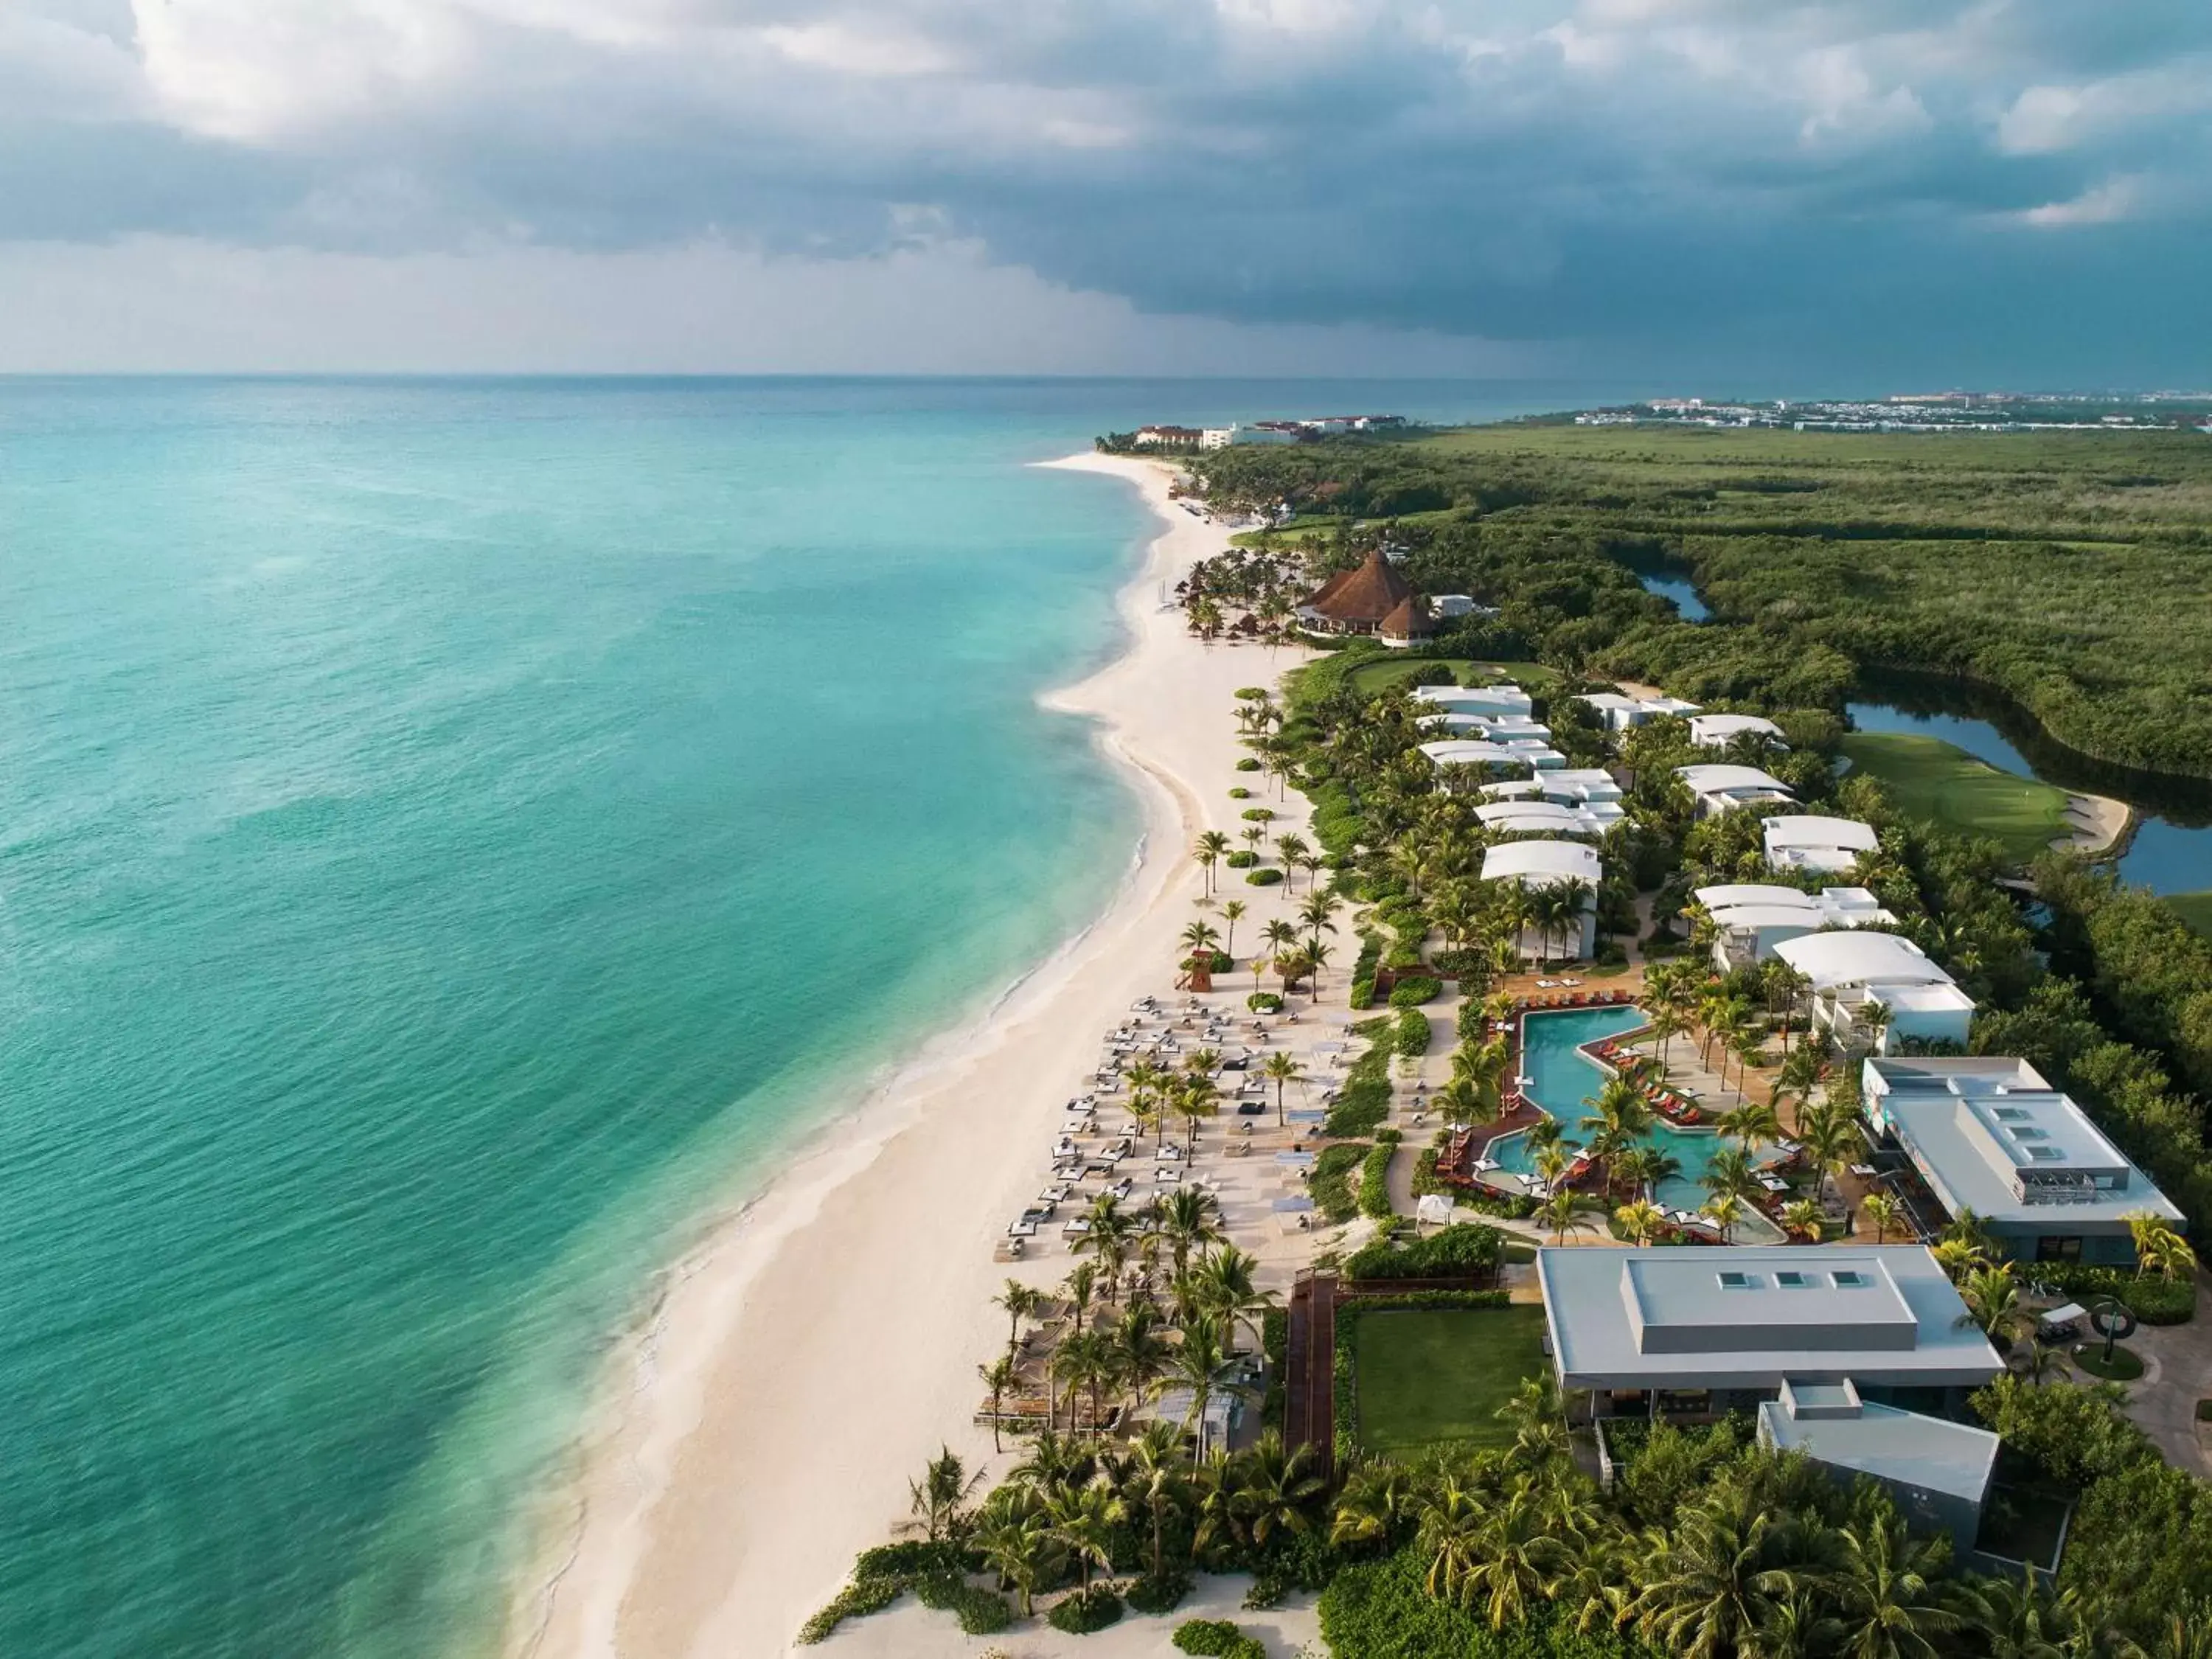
(809, 1356)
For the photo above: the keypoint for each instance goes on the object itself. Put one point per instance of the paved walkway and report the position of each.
(2177, 1374)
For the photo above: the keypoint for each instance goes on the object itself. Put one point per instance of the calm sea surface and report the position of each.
(449, 832)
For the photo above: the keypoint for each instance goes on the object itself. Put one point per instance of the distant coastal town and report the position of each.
(1934, 411)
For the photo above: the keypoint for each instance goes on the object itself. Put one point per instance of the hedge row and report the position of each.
(1375, 1181)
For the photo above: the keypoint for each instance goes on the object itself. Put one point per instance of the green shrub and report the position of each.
(1240, 793)
(2153, 1301)
(1221, 962)
(911, 1558)
(1362, 993)
(1217, 1639)
(1275, 1344)
(1412, 993)
(856, 1600)
(1260, 814)
(1411, 1041)
(1464, 1251)
(1086, 1611)
(1331, 1186)
(1247, 764)
(1242, 859)
(1266, 878)
(1162, 1594)
(1264, 1002)
(1375, 1182)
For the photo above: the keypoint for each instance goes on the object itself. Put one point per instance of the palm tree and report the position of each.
(1707, 1584)
(998, 1376)
(1563, 1213)
(1020, 1302)
(1450, 1536)
(2159, 1248)
(1828, 1137)
(1754, 1124)
(1891, 1592)
(1231, 1291)
(1540, 1427)
(1376, 1498)
(1724, 1211)
(1078, 1287)
(1199, 938)
(1666, 1025)
(1278, 1489)
(1884, 1211)
(1730, 1171)
(1141, 1350)
(1641, 1221)
(938, 1501)
(1992, 1300)
(1620, 1117)
(1196, 1100)
(1212, 847)
(1574, 895)
(1291, 849)
(1017, 1542)
(1314, 916)
(1160, 1485)
(1280, 937)
(1546, 907)
(1803, 1216)
(1190, 1219)
(1083, 1520)
(1232, 912)
(1205, 1365)
(1279, 1068)
(1516, 1554)
(2038, 1359)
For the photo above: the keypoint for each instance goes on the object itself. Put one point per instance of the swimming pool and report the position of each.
(1562, 1081)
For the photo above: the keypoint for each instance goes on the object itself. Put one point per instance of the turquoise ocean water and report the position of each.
(449, 833)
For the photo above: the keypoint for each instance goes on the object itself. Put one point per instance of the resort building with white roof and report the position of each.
(1720, 787)
(1532, 752)
(1495, 728)
(1751, 918)
(1499, 699)
(1731, 1327)
(1541, 817)
(1937, 1471)
(1718, 731)
(1850, 972)
(1546, 864)
(1619, 712)
(1821, 845)
(1990, 1135)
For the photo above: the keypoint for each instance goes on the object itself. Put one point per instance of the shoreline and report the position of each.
(803, 1357)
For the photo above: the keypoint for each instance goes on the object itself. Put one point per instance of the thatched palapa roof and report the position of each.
(1368, 594)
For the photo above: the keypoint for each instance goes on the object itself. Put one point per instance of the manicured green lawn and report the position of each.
(1426, 1376)
(1371, 678)
(2127, 1365)
(1931, 779)
(2195, 909)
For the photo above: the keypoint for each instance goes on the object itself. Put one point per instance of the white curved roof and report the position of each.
(1470, 752)
(1719, 729)
(1811, 830)
(1859, 958)
(1515, 817)
(1720, 776)
(1730, 894)
(1542, 861)
(1474, 699)
(1765, 915)
(1520, 791)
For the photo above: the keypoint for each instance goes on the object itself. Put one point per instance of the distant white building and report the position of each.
(1267, 432)
(1751, 918)
(1449, 605)
(1620, 713)
(1495, 728)
(1718, 731)
(1823, 845)
(1216, 437)
(1720, 788)
(1850, 972)
(1548, 864)
(1168, 437)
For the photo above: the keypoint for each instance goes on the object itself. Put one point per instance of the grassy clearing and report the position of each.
(1938, 781)
(1432, 1375)
(1372, 677)
(2195, 909)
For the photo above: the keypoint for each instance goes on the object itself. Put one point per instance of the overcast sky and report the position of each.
(1781, 196)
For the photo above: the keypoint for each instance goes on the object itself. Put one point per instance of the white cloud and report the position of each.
(2110, 203)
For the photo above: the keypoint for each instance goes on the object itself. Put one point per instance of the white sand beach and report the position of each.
(807, 1358)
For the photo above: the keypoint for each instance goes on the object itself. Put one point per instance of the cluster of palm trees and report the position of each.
(1297, 948)
(1745, 1555)
(1262, 583)
(1159, 1301)
(1143, 1506)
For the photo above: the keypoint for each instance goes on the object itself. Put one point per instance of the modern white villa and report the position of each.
(1989, 1134)
(1720, 787)
(1546, 864)
(1936, 1470)
(1492, 700)
(1817, 845)
(1541, 817)
(1532, 752)
(1751, 918)
(1495, 728)
(1619, 712)
(1718, 731)
(1852, 973)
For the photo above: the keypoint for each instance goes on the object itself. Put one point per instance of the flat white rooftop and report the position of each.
(1829, 1422)
(1753, 1317)
(1477, 699)
(1716, 730)
(2004, 1144)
